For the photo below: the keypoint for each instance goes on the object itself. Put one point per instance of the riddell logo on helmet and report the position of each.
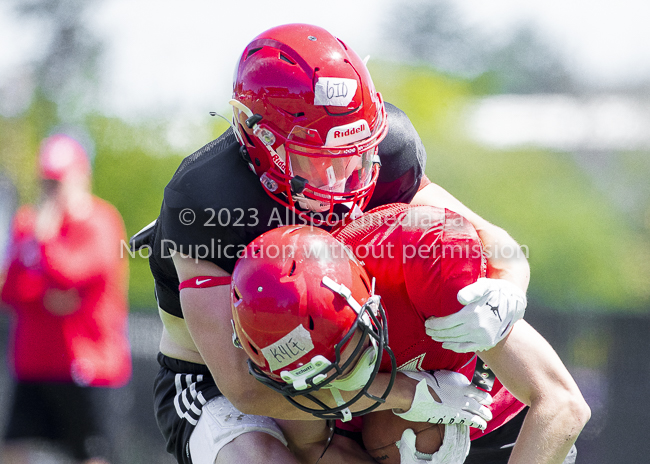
(279, 162)
(339, 134)
(343, 135)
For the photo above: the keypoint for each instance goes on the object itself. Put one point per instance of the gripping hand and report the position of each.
(492, 306)
(454, 448)
(461, 402)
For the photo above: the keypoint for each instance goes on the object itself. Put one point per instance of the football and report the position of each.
(381, 429)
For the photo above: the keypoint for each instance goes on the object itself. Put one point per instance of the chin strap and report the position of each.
(355, 380)
(336, 393)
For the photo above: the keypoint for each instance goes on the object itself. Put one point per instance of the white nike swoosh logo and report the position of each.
(199, 282)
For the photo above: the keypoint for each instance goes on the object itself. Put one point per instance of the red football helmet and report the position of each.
(308, 116)
(298, 298)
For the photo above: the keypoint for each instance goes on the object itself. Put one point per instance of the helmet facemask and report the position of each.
(323, 184)
(357, 372)
(309, 120)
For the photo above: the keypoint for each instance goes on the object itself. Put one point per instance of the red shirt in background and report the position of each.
(87, 344)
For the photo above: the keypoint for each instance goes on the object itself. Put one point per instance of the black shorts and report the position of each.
(181, 389)
(67, 415)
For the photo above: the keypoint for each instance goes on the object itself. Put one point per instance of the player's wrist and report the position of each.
(401, 396)
(404, 390)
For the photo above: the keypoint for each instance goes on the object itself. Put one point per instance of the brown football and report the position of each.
(381, 429)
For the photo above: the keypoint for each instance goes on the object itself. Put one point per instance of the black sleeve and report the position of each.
(182, 229)
(403, 159)
(192, 229)
(215, 207)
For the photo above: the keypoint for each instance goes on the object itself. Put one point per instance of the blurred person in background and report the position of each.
(66, 287)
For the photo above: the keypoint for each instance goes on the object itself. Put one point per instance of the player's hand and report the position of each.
(492, 306)
(454, 448)
(460, 401)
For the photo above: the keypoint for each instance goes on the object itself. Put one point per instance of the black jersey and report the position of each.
(214, 205)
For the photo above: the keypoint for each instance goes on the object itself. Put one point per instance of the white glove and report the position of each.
(492, 306)
(461, 402)
(454, 448)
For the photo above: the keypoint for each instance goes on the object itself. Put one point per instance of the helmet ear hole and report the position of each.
(286, 58)
(311, 323)
(253, 349)
(253, 51)
(292, 271)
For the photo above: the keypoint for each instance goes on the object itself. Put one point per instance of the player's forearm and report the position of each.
(400, 396)
(551, 427)
(506, 259)
(531, 370)
(260, 400)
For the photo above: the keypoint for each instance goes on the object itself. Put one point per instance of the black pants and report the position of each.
(177, 385)
(65, 414)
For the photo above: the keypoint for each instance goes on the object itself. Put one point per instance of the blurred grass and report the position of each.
(131, 171)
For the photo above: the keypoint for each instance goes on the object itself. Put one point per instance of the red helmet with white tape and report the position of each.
(309, 120)
(299, 299)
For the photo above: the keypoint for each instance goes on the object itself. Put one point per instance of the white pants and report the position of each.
(219, 424)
